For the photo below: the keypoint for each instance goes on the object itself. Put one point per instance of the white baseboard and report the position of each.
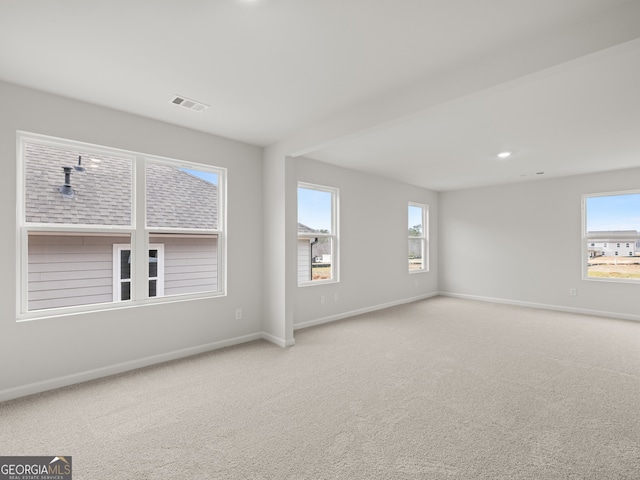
(50, 384)
(352, 313)
(544, 306)
(281, 342)
(37, 387)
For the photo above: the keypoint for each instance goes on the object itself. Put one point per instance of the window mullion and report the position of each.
(140, 237)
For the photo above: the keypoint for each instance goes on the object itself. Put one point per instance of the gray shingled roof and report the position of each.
(304, 229)
(613, 235)
(103, 194)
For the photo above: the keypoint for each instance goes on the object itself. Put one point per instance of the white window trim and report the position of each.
(424, 237)
(585, 247)
(334, 236)
(138, 232)
(117, 280)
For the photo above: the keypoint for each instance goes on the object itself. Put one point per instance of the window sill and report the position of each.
(106, 307)
(635, 281)
(317, 282)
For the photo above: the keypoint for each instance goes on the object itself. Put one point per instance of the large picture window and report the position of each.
(317, 234)
(418, 247)
(611, 236)
(101, 226)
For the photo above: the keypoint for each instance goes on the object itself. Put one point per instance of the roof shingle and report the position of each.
(175, 198)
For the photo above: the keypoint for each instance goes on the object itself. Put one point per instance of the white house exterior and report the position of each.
(621, 243)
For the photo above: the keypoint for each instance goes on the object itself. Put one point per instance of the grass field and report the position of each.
(614, 267)
(320, 273)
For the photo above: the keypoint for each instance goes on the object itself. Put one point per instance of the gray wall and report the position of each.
(522, 243)
(45, 353)
(489, 243)
(373, 245)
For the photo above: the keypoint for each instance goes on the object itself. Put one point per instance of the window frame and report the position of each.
(137, 231)
(333, 236)
(585, 247)
(424, 237)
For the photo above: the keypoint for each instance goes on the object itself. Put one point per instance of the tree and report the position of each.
(415, 231)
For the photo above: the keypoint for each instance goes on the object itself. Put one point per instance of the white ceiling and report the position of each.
(423, 91)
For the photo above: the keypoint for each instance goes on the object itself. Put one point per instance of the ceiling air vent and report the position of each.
(187, 103)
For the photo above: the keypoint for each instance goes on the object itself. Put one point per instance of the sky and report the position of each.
(207, 176)
(613, 212)
(415, 216)
(314, 208)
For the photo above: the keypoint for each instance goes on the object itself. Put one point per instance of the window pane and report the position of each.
(181, 198)
(316, 234)
(152, 288)
(68, 270)
(99, 195)
(417, 230)
(190, 262)
(613, 238)
(321, 259)
(314, 211)
(415, 221)
(125, 264)
(125, 290)
(416, 249)
(153, 263)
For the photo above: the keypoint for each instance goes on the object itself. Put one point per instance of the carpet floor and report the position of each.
(438, 389)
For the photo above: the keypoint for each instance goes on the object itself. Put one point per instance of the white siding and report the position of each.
(304, 260)
(190, 264)
(68, 270)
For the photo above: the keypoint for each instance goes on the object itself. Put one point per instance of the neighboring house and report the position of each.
(76, 268)
(622, 243)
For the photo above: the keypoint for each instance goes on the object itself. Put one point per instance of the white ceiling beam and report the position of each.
(544, 52)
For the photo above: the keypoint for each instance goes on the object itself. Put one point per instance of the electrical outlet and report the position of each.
(238, 314)
(322, 299)
(573, 292)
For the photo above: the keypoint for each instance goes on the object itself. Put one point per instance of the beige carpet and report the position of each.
(439, 389)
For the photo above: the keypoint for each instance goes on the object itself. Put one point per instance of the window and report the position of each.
(317, 234)
(122, 271)
(101, 226)
(418, 237)
(609, 221)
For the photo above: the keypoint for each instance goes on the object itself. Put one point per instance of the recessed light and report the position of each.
(504, 154)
